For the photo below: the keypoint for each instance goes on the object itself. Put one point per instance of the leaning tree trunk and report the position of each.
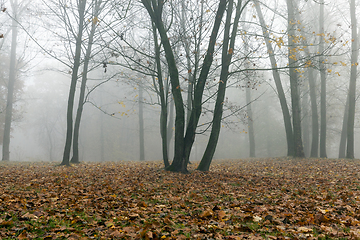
(74, 77)
(10, 88)
(278, 84)
(352, 87)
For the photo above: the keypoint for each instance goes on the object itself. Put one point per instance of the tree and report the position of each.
(141, 124)
(182, 151)
(352, 85)
(278, 84)
(343, 136)
(16, 9)
(97, 7)
(323, 84)
(227, 53)
(80, 8)
(295, 98)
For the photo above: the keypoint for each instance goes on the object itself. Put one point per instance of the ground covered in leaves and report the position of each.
(239, 199)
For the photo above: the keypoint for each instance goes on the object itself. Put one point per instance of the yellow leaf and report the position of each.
(95, 20)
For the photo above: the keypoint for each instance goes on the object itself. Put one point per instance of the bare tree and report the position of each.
(352, 86)
(323, 84)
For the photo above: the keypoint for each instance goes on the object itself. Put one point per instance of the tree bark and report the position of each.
(314, 152)
(200, 84)
(250, 123)
(74, 77)
(323, 85)
(342, 145)
(227, 52)
(154, 9)
(352, 87)
(141, 124)
(11, 85)
(295, 98)
(306, 120)
(163, 101)
(75, 157)
(278, 84)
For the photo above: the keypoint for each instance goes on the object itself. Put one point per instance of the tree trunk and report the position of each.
(323, 85)
(295, 98)
(102, 135)
(141, 124)
(306, 120)
(163, 101)
(314, 152)
(227, 51)
(75, 157)
(278, 84)
(200, 84)
(182, 152)
(352, 87)
(342, 145)
(74, 77)
(10, 87)
(155, 11)
(250, 123)
(170, 125)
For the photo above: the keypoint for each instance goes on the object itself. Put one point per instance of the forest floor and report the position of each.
(276, 198)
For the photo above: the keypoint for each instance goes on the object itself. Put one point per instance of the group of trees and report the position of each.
(189, 53)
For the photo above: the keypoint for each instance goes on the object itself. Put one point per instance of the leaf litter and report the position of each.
(279, 198)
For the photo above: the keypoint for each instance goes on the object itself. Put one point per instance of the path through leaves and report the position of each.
(239, 199)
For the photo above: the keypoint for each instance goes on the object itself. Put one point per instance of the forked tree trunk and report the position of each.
(74, 78)
(75, 157)
(227, 52)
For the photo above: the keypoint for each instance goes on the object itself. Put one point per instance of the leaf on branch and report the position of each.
(1, 35)
(95, 20)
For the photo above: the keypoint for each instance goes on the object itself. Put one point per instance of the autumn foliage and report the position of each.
(240, 199)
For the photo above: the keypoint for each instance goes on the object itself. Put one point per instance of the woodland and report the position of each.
(115, 115)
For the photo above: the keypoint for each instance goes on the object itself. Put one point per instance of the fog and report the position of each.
(109, 129)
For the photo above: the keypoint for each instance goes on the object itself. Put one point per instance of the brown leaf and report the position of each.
(206, 213)
(221, 214)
